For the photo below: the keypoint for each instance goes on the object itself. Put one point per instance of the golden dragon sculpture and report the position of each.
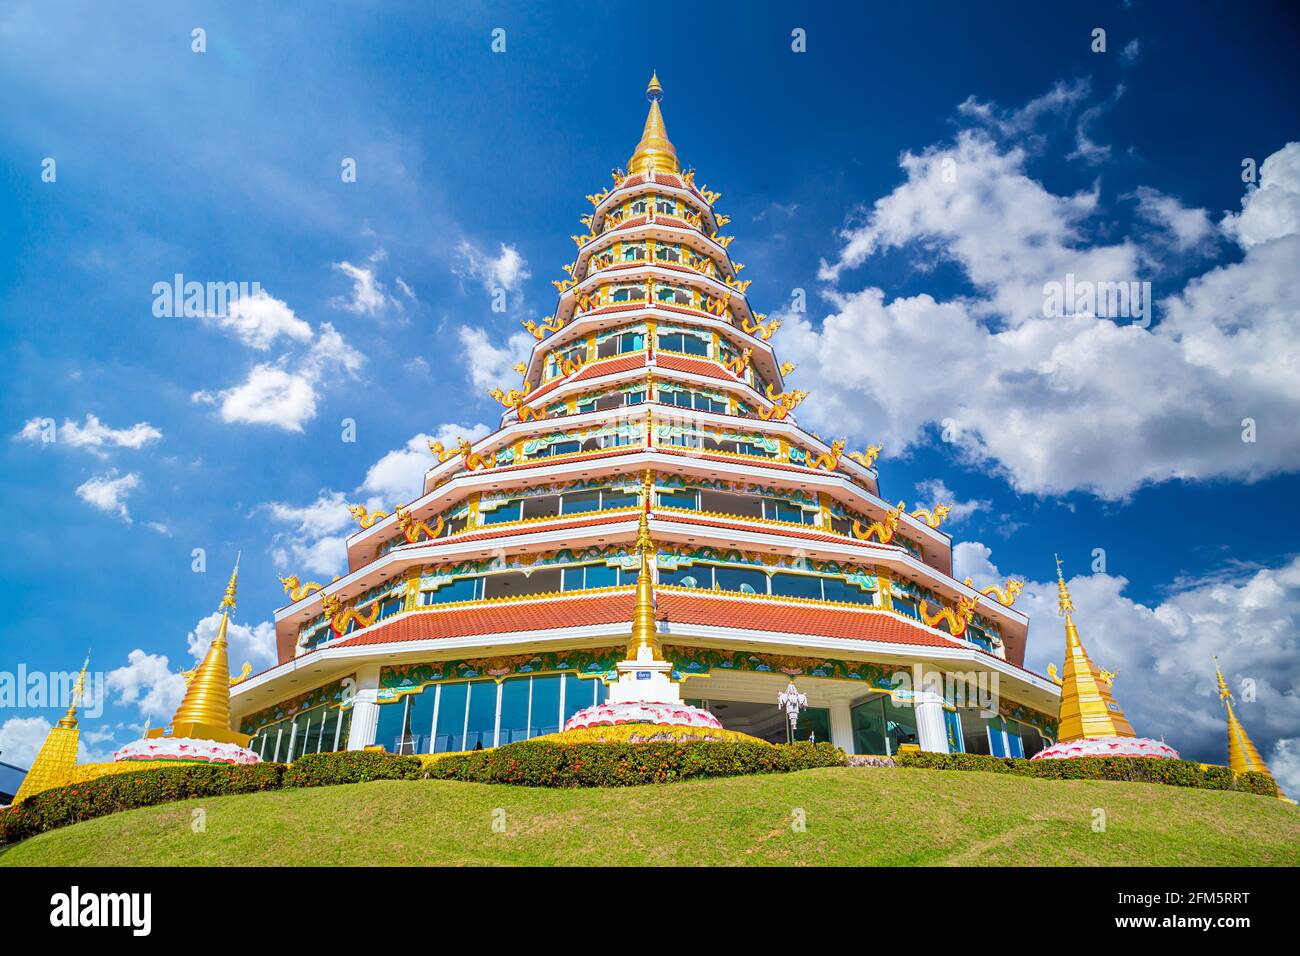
(514, 400)
(830, 459)
(475, 459)
(551, 323)
(866, 458)
(732, 282)
(882, 531)
(412, 529)
(442, 454)
(339, 618)
(787, 368)
(298, 591)
(957, 620)
(366, 519)
(737, 365)
(932, 518)
(717, 306)
(754, 326)
(570, 366)
(1006, 596)
(783, 404)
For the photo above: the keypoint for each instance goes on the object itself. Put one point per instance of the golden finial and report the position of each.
(78, 690)
(645, 632)
(655, 151)
(1063, 602)
(228, 601)
(1242, 755)
(1224, 692)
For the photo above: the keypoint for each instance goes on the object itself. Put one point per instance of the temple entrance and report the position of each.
(767, 721)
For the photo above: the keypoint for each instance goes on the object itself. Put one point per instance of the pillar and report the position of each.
(365, 708)
(842, 725)
(931, 732)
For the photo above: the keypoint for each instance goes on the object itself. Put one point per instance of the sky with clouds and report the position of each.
(915, 180)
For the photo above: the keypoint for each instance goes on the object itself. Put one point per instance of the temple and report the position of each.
(651, 527)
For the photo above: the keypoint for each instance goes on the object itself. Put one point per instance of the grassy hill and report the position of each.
(853, 815)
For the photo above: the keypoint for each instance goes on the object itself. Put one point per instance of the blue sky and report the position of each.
(472, 166)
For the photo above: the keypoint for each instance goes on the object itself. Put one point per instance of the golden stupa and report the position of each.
(204, 714)
(1091, 722)
(1242, 755)
(655, 151)
(58, 756)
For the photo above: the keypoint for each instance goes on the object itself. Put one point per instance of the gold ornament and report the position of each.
(882, 531)
(298, 591)
(932, 518)
(412, 529)
(830, 460)
(868, 458)
(364, 518)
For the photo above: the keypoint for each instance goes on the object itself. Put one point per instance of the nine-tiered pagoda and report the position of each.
(652, 441)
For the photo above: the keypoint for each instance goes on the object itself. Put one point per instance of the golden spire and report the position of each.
(645, 630)
(204, 714)
(655, 151)
(57, 759)
(1088, 710)
(1242, 755)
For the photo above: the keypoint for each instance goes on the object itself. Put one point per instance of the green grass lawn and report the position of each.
(853, 816)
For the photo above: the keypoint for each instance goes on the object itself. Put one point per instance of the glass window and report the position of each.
(450, 732)
(576, 502)
(545, 717)
(906, 606)
(481, 727)
(631, 253)
(678, 499)
(461, 589)
(390, 607)
(514, 709)
(578, 693)
(689, 577)
(785, 511)
(900, 724)
(618, 499)
(392, 720)
(814, 724)
(837, 589)
(419, 721)
(601, 576)
(797, 585)
(510, 511)
(745, 580)
(869, 728)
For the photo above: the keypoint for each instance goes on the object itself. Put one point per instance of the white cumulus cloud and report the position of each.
(108, 493)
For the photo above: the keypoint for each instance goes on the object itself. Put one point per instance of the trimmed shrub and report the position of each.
(545, 764)
(128, 791)
(1175, 773)
(350, 766)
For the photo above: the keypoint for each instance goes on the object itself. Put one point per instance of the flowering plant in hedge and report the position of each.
(350, 766)
(1177, 773)
(536, 763)
(648, 734)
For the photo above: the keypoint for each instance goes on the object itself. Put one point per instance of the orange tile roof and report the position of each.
(703, 610)
(680, 363)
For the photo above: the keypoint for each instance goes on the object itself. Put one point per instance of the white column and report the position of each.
(842, 725)
(931, 732)
(365, 708)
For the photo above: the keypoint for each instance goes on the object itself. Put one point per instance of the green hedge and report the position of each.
(1176, 773)
(350, 766)
(542, 764)
(127, 791)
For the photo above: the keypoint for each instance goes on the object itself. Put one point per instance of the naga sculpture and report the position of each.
(475, 459)
(736, 366)
(562, 284)
(583, 240)
(932, 518)
(957, 621)
(1107, 676)
(298, 591)
(724, 241)
(442, 454)
(882, 531)
(1006, 596)
(570, 366)
(755, 326)
(710, 197)
(243, 674)
(597, 198)
(514, 400)
(783, 404)
(868, 458)
(722, 220)
(787, 368)
(552, 323)
(412, 529)
(732, 282)
(718, 307)
(339, 618)
(364, 518)
(830, 460)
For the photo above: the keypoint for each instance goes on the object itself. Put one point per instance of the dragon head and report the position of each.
(290, 583)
